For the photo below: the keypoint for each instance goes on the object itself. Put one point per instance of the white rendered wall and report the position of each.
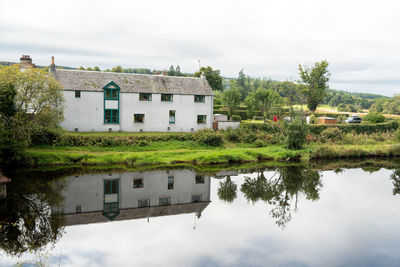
(87, 113)
(87, 191)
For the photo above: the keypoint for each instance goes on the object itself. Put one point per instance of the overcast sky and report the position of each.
(360, 39)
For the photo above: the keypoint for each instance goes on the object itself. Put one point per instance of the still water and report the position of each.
(289, 216)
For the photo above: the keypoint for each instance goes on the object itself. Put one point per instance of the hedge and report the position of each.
(318, 128)
(332, 115)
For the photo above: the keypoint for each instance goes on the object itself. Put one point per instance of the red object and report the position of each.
(275, 118)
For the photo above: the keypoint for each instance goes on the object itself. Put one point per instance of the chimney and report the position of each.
(25, 61)
(52, 66)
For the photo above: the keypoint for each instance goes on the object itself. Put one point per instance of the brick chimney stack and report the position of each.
(26, 62)
(52, 66)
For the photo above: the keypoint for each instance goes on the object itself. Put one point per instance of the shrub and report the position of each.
(232, 135)
(334, 134)
(341, 118)
(374, 117)
(259, 118)
(45, 136)
(397, 135)
(236, 118)
(208, 137)
(296, 132)
(313, 119)
(259, 143)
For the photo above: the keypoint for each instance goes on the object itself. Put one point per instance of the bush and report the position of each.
(296, 132)
(45, 136)
(208, 137)
(259, 118)
(236, 118)
(374, 117)
(259, 143)
(397, 135)
(313, 119)
(333, 134)
(232, 135)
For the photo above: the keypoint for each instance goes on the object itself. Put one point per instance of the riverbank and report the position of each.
(197, 156)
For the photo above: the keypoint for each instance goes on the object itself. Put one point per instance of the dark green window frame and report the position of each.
(170, 182)
(111, 116)
(172, 116)
(167, 97)
(201, 119)
(199, 98)
(145, 96)
(138, 118)
(77, 94)
(199, 179)
(111, 93)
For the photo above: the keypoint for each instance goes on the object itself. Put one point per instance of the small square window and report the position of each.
(199, 179)
(138, 118)
(138, 183)
(111, 116)
(78, 94)
(144, 203)
(78, 209)
(144, 97)
(165, 201)
(166, 97)
(199, 98)
(201, 118)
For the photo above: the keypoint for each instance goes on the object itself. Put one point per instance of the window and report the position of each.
(201, 118)
(144, 203)
(111, 116)
(111, 94)
(138, 183)
(78, 209)
(197, 198)
(199, 98)
(110, 207)
(78, 94)
(199, 179)
(172, 116)
(138, 118)
(110, 187)
(166, 97)
(165, 201)
(144, 97)
(170, 182)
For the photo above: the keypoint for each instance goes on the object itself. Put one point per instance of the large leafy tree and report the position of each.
(227, 190)
(263, 100)
(213, 77)
(315, 83)
(231, 99)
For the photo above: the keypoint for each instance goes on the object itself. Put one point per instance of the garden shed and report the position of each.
(327, 120)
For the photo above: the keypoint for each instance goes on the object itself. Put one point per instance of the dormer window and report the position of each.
(111, 91)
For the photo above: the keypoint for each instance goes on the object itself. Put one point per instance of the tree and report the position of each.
(96, 68)
(178, 71)
(117, 69)
(227, 190)
(231, 99)
(213, 77)
(263, 100)
(315, 83)
(37, 101)
(171, 71)
(81, 68)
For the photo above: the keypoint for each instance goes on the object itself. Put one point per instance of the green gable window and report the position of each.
(144, 97)
(111, 94)
(199, 98)
(77, 94)
(111, 116)
(138, 118)
(166, 97)
(172, 116)
(201, 119)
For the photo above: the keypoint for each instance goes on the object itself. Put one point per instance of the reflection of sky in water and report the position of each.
(354, 223)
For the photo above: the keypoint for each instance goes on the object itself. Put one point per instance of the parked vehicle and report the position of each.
(354, 119)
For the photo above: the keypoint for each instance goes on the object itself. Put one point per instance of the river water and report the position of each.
(287, 216)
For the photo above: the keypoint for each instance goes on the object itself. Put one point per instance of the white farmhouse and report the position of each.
(107, 101)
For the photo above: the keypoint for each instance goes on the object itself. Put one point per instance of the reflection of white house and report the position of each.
(107, 101)
(94, 198)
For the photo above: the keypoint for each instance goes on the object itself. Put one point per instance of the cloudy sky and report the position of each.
(360, 39)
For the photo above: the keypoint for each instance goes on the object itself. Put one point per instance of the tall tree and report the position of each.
(231, 99)
(263, 100)
(315, 83)
(117, 69)
(171, 71)
(213, 77)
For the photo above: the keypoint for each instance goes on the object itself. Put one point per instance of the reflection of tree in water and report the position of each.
(28, 223)
(227, 190)
(285, 185)
(396, 181)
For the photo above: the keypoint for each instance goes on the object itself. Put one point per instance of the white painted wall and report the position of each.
(87, 113)
(87, 190)
(224, 125)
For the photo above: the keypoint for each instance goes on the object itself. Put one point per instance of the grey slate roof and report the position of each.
(132, 83)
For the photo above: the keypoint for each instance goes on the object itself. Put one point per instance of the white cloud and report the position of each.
(265, 38)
